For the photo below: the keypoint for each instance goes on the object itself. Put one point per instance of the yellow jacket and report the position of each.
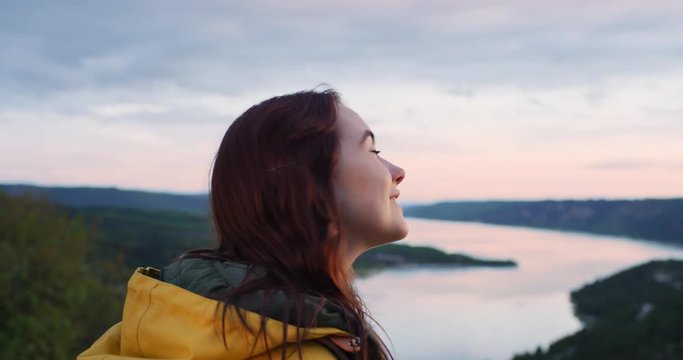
(165, 321)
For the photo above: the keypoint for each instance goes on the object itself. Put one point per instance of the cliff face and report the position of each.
(635, 314)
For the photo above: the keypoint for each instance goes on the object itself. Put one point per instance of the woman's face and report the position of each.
(365, 186)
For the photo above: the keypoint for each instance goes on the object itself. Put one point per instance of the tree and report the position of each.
(52, 300)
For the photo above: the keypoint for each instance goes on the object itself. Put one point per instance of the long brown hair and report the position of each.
(273, 206)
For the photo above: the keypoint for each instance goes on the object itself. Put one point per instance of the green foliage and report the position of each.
(52, 301)
(635, 314)
(649, 219)
(80, 197)
(62, 272)
(148, 237)
(393, 255)
(154, 238)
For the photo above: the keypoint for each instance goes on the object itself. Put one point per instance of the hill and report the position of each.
(648, 219)
(63, 270)
(83, 197)
(634, 314)
(147, 237)
(156, 237)
(401, 255)
(151, 229)
(57, 296)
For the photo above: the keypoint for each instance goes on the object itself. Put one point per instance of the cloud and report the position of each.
(238, 47)
(458, 81)
(623, 165)
(636, 164)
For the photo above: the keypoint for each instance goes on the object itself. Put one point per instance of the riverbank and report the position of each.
(401, 256)
(634, 314)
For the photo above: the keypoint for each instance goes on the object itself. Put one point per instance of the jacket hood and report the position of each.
(174, 314)
(212, 278)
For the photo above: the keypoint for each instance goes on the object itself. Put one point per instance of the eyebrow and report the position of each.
(367, 133)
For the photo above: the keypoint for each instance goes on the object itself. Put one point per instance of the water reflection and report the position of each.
(482, 313)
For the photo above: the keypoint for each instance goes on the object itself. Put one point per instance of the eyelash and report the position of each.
(376, 151)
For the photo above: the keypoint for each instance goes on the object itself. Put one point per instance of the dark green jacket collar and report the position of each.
(213, 278)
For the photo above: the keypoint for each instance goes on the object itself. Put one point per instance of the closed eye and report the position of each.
(376, 151)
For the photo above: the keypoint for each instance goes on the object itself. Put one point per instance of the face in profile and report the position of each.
(365, 186)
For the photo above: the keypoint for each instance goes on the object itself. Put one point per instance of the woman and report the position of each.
(298, 192)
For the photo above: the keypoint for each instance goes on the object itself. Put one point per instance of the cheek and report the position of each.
(360, 179)
(354, 192)
(360, 195)
(363, 181)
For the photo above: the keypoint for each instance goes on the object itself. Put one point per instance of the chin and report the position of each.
(399, 232)
(403, 232)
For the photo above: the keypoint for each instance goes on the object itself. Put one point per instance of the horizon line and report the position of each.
(406, 203)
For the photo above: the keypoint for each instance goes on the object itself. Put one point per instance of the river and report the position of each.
(486, 313)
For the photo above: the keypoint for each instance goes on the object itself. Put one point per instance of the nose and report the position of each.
(397, 173)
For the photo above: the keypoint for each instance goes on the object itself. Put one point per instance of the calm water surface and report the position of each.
(481, 313)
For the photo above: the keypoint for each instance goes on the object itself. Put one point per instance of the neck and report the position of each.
(352, 248)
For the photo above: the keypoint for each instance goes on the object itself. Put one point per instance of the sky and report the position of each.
(487, 99)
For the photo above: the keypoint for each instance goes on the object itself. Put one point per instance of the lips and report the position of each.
(395, 195)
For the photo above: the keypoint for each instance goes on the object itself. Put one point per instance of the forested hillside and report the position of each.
(155, 238)
(653, 219)
(82, 197)
(647, 219)
(63, 271)
(148, 237)
(56, 293)
(636, 314)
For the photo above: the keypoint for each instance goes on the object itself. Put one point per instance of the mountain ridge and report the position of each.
(653, 219)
